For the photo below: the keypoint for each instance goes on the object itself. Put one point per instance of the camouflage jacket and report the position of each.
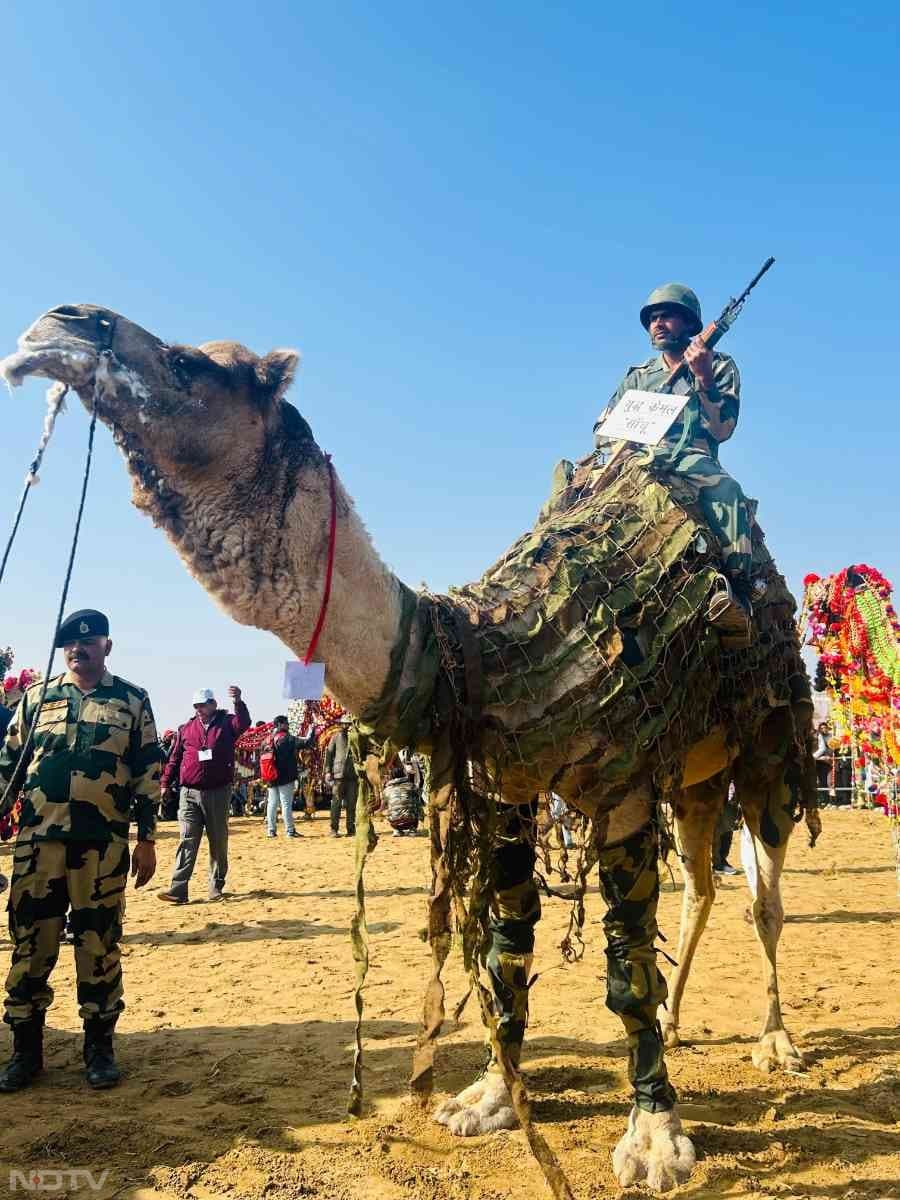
(94, 755)
(650, 377)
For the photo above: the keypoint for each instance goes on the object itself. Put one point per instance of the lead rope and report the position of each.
(329, 567)
(56, 394)
(12, 787)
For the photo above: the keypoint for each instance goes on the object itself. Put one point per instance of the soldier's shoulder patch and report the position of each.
(33, 691)
(641, 366)
(130, 689)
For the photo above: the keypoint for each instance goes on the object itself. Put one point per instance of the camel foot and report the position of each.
(654, 1150)
(775, 1051)
(481, 1108)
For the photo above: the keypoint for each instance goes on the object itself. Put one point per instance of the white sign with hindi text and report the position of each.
(302, 681)
(642, 417)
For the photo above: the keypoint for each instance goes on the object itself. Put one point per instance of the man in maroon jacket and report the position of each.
(202, 762)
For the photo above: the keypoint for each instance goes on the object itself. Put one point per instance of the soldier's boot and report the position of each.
(99, 1059)
(729, 611)
(28, 1055)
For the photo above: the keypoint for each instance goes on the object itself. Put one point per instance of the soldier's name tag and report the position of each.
(204, 756)
(643, 417)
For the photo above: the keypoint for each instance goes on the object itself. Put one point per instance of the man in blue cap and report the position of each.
(93, 758)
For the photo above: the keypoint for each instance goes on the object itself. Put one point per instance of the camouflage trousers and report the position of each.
(515, 910)
(724, 506)
(48, 879)
(635, 988)
(629, 880)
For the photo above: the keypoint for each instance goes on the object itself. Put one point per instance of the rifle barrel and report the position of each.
(758, 276)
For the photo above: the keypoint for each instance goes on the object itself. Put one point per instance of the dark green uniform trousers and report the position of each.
(723, 505)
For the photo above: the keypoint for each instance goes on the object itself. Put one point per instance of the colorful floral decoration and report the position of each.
(14, 685)
(13, 689)
(854, 628)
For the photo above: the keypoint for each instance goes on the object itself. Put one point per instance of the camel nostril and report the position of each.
(67, 310)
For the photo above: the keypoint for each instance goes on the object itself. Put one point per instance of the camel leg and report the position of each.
(516, 908)
(775, 1048)
(654, 1148)
(696, 815)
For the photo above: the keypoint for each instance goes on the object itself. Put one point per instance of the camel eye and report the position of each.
(182, 365)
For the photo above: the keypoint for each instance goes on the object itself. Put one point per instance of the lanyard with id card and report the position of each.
(204, 754)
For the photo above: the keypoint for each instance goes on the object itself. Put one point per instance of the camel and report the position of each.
(581, 663)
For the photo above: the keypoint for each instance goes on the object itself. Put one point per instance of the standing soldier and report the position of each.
(94, 755)
(691, 446)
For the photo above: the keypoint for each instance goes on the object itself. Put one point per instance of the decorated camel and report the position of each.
(582, 662)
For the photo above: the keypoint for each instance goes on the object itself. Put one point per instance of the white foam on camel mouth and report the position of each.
(73, 367)
(82, 370)
(87, 373)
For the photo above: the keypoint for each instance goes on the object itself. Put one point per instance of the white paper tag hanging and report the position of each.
(302, 682)
(643, 417)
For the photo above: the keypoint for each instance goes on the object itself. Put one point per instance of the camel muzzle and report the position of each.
(64, 344)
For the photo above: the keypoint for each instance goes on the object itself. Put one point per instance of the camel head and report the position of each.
(230, 471)
(208, 438)
(182, 415)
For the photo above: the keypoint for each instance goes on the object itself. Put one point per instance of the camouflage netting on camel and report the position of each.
(587, 644)
(583, 663)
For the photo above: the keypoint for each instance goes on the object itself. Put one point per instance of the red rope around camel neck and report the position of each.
(329, 569)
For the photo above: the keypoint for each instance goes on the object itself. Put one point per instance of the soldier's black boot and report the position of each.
(99, 1058)
(28, 1055)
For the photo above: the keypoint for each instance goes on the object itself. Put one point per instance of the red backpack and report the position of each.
(268, 768)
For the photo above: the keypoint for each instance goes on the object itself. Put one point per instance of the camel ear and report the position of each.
(276, 370)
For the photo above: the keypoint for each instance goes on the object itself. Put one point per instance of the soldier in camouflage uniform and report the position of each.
(691, 446)
(94, 756)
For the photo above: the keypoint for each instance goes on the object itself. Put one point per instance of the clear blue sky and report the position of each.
(455, 213)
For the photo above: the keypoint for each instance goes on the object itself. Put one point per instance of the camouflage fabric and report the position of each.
(629, 880)
(94, 755)
(590, 650)
(724, 506)
(651, 376)
(48, 877)
(690, 450)
(597, 661)
(515, 910)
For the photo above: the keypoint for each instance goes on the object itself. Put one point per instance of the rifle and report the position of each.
(708, 336)
(717, 329)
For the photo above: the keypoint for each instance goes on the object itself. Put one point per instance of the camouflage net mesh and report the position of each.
(583, 660)
(581, 663)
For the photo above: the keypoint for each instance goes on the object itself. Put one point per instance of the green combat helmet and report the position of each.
(678, 296)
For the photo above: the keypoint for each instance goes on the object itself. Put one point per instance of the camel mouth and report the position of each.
(76, 368)
(96, 377)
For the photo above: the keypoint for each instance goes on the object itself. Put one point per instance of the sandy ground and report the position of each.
(236, 1042)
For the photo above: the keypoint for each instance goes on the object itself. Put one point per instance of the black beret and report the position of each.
(86, 622)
